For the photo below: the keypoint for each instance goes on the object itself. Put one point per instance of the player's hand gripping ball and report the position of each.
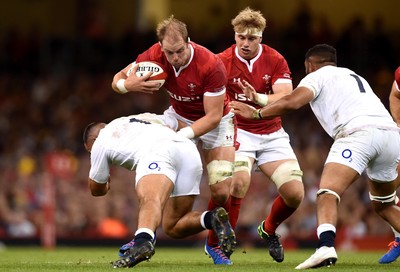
(159, 75)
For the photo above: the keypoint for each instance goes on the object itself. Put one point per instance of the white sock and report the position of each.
(146, 230)
(325, 227)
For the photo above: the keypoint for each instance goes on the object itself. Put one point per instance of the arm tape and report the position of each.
(121, 86)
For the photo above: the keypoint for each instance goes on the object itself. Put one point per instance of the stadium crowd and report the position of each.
(51, 87)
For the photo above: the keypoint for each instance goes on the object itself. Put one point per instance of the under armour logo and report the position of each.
(236, 80)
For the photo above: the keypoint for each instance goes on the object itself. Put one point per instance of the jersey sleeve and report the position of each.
(282, 72)
(216, 79)
(154, 53)
(312, 82)
(100, 168)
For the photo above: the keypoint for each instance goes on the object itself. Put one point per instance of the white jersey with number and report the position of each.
(344, 101)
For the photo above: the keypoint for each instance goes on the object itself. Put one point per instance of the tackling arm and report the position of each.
(279, 90)
(298, 98)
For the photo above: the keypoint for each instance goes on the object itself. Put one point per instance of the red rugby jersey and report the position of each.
(262, 72)
(204, 73)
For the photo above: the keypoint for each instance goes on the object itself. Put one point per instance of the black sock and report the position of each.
(327, 238)
(207, 220)
(142, 237)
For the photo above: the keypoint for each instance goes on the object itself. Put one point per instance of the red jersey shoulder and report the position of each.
(227, 54)
(397, 76)
(154, 53)
(210, 66)
(276, 61)
(203, 56)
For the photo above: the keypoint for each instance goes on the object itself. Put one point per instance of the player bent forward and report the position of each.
(168, 173)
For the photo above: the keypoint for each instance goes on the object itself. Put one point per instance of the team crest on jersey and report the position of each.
(191, 87)
(266, 78)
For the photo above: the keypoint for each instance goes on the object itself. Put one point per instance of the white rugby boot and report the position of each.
(323, 256)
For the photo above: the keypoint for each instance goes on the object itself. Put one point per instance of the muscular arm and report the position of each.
(394, 103)
(298, 98)
(213, 107)
(98, 189)
(279, 91)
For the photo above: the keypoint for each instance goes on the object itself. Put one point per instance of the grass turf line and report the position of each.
(35, 259)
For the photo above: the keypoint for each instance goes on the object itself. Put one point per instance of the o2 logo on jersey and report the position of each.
(154, 166)
(347, 154)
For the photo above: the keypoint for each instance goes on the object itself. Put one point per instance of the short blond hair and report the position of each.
(249, 21)
(172, 26)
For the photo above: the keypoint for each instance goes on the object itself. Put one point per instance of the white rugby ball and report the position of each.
(159, 75)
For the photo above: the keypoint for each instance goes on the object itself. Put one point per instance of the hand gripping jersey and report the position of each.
(186, 87)
(263, 71)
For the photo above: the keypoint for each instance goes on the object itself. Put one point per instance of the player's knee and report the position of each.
(170, 229)
(239, 186)
(380, 203)
(173, 234)
(241, 176)
(286, 172)
(292, 193)
(219, 170)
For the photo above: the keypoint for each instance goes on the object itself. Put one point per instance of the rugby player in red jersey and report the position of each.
(257, 71)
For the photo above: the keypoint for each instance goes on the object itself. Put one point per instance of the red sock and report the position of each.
(212, 239)
(279, 212)
(234, 210)
(398, 202)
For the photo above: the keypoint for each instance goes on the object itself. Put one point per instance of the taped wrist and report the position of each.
(186, 132)
(121, 86)
(262, 99)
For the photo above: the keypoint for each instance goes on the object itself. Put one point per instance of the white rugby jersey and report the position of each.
(124, 141)
(344, 101)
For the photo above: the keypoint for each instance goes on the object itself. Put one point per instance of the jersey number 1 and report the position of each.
(360, 85)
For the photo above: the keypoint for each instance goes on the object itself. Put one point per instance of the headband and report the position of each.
(251, 31)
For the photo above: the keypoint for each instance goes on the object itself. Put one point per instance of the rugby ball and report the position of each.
(159, 75)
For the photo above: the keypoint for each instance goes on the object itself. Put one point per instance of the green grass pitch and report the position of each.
(34, 259)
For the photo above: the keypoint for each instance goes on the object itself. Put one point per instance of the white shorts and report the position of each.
(223, 135)
(374, 149)
(266, 147)
(179, 160)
